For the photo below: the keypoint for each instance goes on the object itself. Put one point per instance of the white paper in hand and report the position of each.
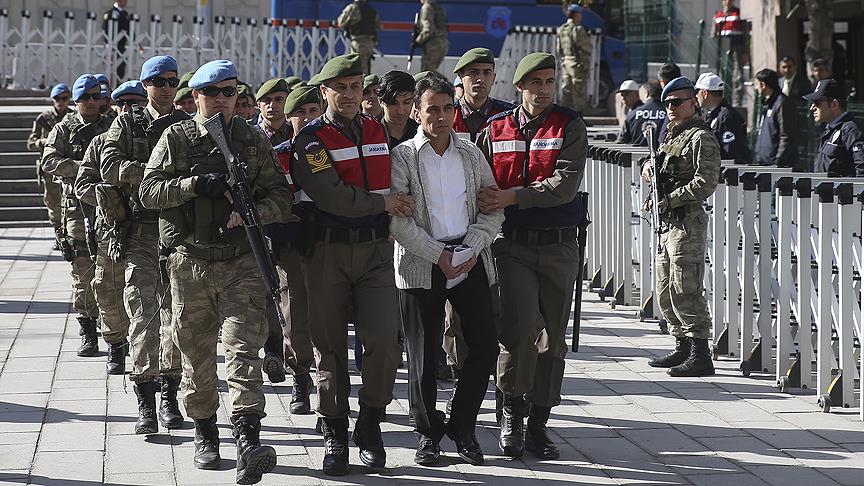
(461, 254)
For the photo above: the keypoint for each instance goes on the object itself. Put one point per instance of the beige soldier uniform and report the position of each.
(362, 24)
(61, 158)
(574, 51)
(36, 143)
(432, 35)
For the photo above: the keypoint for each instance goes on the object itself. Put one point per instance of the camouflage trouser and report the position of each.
(52, 197)
(364, 46)
(537, 284)
(680, 269)
(148, 304)
(83, 269)
(205, 295)
(574, 85)
(434, 51)
(108, 285)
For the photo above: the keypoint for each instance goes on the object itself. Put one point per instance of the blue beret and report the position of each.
(676, 85)
(213, 72)
(59, 89)
(83, 84)
(133, 87)
(157, 65)
(103, 79)
(573, 8)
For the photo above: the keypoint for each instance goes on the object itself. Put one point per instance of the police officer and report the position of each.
(110, 220)
(692, 165)
(342, 165)
(128, 146)
(361, 23)
(777, 142)
(574, 50)
(727, 124)
(476, 70)
(627, 97)
(841, 152)
(432, 34)
(43, 124)
(537, 152)
(649, 113)
(214, 279)
(64, 150)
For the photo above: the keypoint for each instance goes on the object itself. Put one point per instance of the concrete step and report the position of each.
(26, 101)
(24, 93)
(17, 120)
(17, 133)
(14, 172)
(13, 145)
(24, 213)
(20, 200)
(20, 186)
(24, 224)
(18, 158)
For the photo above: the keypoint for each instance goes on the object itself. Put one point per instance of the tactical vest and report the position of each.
(676, 164)
(519, 163)
(462, 130)
(567, 40)
(366, 25)
(80, 136)
(284, 154)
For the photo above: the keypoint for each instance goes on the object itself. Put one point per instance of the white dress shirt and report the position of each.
(445, 191)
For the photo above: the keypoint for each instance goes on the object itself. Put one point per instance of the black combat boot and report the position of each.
(335, 446)
(274, 368)
(367, 436)
(207, 444)
(146, 393)
(676, 357)
(512, 442)
(253, 459)
(300, 395)
(698, 363)
(117, 358)
(89, 341)
(537, 436)
(169, 410)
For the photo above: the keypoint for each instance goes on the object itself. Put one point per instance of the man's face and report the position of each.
(272, 107)
(300, 117)
(477, 80)
(761, 87)
(122, 3)
(435, 114)
(680, 105)
(727, 4)
(217, 98)
(820, 72)
(398, 112)
(787, 69)
(61, 102)
(343, 95)
(577, 17)
(244, 107)
(825, 110)
(163, 96)
(125, 103)
(371, 105)
(630, 98)
(186, 105)
(87, 105)
(538, 88)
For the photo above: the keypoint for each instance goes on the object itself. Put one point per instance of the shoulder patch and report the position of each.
(858, 147)
(503, 114)
(501, 105)
(727, 137)
(318, 161)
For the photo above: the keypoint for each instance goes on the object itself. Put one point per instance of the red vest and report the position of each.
(372, 170)
(509, 150)
(284, 153)
(729, 22)
(462, 130)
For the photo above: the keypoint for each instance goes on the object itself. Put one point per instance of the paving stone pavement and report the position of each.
(63, 421)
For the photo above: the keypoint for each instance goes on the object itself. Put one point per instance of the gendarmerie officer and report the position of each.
(727, 124)
(841, 152)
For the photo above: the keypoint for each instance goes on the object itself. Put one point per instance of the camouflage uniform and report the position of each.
(574, 51)
(213, 281)
(36, 142)
(432, 35)
(362, 24)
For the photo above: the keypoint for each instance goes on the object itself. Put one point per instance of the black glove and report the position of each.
(213, 185)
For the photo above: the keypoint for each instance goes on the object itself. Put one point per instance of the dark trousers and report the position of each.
(423, 321)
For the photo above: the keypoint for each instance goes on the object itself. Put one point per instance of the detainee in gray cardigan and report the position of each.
(444, 174)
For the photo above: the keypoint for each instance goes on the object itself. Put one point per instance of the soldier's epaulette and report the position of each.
(285, 146)
(369, 117)
(567, 111)
(501, 105)
(503, 114)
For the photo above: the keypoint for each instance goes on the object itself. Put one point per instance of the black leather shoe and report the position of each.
(335, 446)
(511, 441)
(428, 453)
(367, 436)
(207, 444)
(676, 357)
(466, 445)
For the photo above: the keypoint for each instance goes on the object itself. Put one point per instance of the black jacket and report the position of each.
(778, 133)
(800, 86)
(631, 131)
(841, 152)
(731, 131)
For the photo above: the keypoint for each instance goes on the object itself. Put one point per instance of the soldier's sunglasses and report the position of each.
(213, 91)
(161, 82)
(675, 102)
(90, 96)
(122, 103)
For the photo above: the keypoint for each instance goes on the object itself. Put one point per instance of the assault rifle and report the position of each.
(655, 160)
(413, 41)
(245, 205)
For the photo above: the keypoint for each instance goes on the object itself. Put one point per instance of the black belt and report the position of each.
(349, 236)
(213, 253)
(543, 236)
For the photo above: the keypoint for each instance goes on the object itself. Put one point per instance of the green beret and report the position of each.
(421, 75)
(533, 62)
(371, 80)
(341, 67)
(184, 80)
(300, 97)
(182, 93)
(243, 89)
(301, 84)
(476, 55)
(271, 86)
(314, 81)
(292, 80)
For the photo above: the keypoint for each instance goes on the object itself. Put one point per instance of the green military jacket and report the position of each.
(65, 146)
(573, 42)
(42, 126)
(691, 162)
(433, 22)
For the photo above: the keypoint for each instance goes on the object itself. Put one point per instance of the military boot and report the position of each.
(367, 436)
(253, 459)
(117, 358)
(146, 393)
(537, 435)
(300, 395)
(512, 441)
(335, 432)
(207, 444)
(169, 410)
(274, 368)
(89, 340)
(676, 357)
(698, 363)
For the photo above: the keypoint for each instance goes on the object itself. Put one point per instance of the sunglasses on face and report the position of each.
(90, 96)
(161, 82)
(676, 102)
(213, 91)
(122, 103)
(61, 98)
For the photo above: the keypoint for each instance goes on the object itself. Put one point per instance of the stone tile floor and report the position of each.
(63, 421)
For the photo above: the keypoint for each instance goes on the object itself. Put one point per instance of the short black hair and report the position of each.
(653, 89)
(668, 72)
(436, 84)
(393, 83)
(823, 63)
(788, 59)
(769, 77)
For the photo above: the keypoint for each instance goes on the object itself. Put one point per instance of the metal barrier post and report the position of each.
(826, 220)
(748, 271)
(846, 295)
(730, 258)
(783, 331)
(762, 352)
(804, 277)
